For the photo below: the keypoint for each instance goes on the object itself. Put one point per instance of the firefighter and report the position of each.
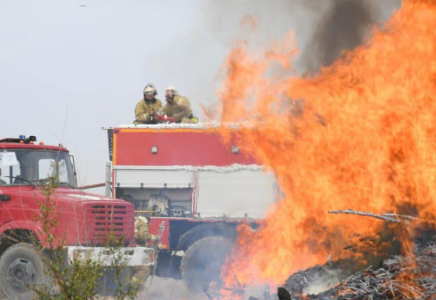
(178, 107)
(148, 107)
(142, 236)
(141, 231)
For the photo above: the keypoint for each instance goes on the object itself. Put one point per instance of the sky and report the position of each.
(70, 67)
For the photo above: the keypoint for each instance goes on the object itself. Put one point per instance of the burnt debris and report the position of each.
(400, 277)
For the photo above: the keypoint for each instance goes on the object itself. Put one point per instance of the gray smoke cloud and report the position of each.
(274, 18)
(323, 29)
(345, 25)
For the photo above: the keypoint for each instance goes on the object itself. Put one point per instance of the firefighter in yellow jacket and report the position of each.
(142, 236)
(148, 107)
(141, 231)
(178, 107)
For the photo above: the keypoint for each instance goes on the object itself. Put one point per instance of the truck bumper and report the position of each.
(131, 256)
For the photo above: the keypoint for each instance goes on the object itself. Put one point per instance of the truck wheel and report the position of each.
(22, 266)
(203, 260)
(167, 265)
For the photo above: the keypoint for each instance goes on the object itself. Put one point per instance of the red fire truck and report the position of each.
(194, 187)
(84, 221)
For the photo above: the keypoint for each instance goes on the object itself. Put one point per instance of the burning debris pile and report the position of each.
(375, 268)
(383, 274)
(399, 277)
(398, 262)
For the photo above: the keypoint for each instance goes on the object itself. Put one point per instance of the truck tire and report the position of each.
(167, 265)
(21, 265)
(203, 260)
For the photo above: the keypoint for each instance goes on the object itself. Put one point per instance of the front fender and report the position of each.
(30, 226)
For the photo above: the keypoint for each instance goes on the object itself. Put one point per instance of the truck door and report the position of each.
(9, 167)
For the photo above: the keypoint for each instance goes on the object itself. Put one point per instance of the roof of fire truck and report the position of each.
(28, 143)
(185, 126)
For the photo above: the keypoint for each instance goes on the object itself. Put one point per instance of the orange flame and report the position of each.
(365, 138)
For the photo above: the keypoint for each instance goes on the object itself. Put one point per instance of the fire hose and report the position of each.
(162, 118)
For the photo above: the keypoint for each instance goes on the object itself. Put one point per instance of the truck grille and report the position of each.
(106, 221)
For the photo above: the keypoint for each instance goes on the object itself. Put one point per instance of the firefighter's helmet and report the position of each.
(150, 89)
(141, 219)
(173, 90)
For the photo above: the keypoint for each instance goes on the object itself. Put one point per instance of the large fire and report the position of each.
(361, 134)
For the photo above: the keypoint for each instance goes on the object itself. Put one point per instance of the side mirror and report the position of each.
(5, 197)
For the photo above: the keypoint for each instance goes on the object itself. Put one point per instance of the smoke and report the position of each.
(345, 25)
(227, 20)
(157, 288)
(323, 29)
(322, 282)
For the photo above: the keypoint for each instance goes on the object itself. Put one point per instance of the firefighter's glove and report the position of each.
(154, 238)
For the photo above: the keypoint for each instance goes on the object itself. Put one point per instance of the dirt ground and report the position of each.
(168, 289)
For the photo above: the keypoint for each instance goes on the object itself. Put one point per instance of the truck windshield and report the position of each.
(35, 167)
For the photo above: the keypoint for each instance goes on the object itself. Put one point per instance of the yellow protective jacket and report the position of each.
(141, 231)
(145, 109)
(180, 111)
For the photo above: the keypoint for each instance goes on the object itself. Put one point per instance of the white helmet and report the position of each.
(150, 89)
(173, 90)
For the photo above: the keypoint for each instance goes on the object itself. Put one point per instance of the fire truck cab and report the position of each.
(194, 188)
(84, 222)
